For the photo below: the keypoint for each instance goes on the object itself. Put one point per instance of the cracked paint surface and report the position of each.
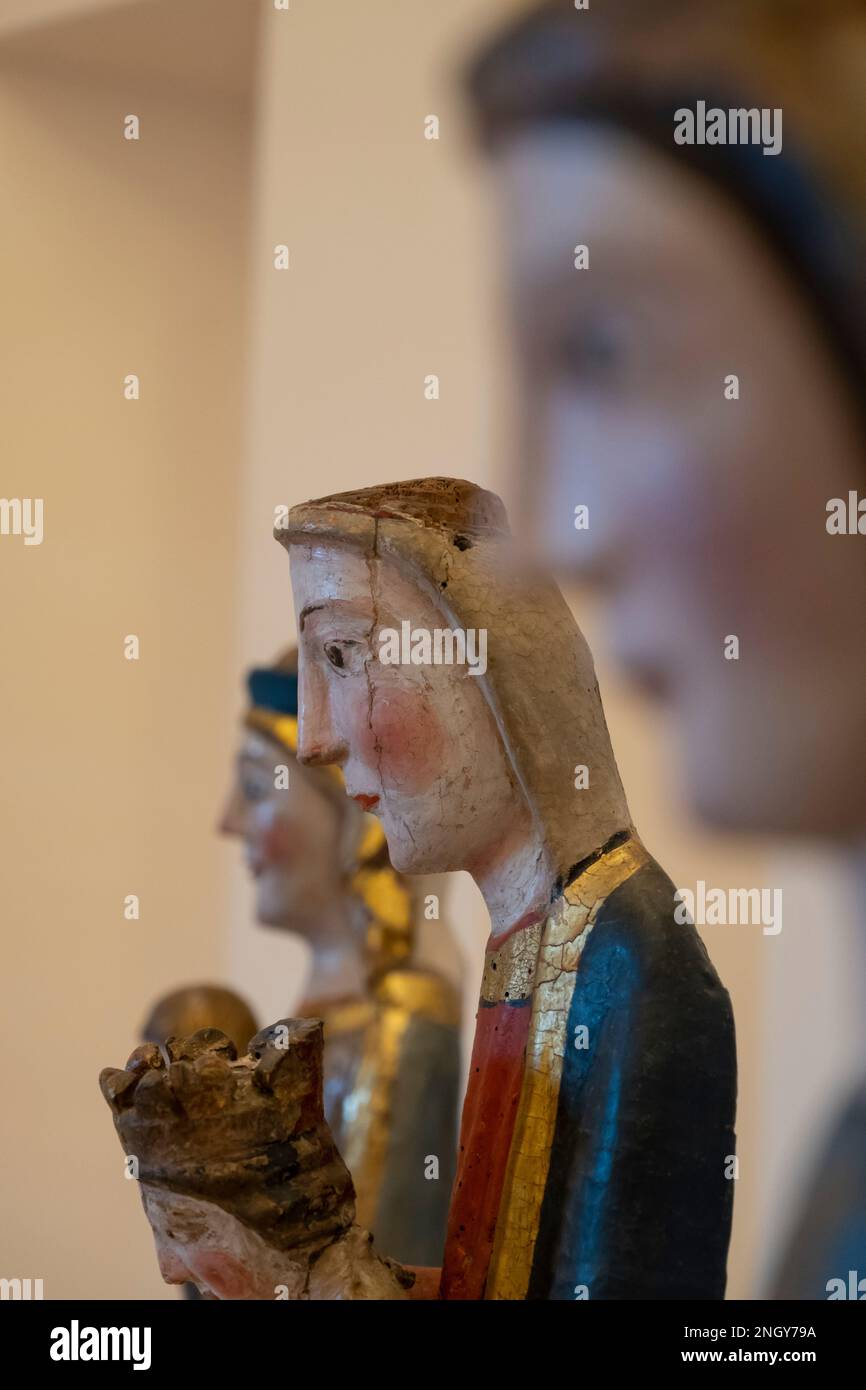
(565, 934)
(528, 1214)
(420, 742)
(509, 1115)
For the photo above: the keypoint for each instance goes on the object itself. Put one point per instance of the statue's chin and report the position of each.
(408, 857)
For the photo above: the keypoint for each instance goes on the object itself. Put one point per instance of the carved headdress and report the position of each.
(247, 1134)
(451, 539)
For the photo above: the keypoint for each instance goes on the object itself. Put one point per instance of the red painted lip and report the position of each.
(366, 802)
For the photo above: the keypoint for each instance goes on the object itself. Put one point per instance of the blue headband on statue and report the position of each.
(274, 690)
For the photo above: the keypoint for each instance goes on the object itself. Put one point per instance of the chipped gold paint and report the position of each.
(564, 936)
(510, 969)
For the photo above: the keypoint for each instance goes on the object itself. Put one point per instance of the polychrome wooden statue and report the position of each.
(241, 1181)
(457, 696)
(596, 1152)
(321, 869)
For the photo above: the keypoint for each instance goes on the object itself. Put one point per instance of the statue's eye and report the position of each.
(255, 783)
(596, 348)
(252, 790)
(345, 657)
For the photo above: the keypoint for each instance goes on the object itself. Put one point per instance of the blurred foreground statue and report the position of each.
(701, 392)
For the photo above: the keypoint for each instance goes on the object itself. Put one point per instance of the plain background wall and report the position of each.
(157, 257)
(117, 257)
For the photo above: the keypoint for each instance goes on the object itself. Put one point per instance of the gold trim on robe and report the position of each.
(399, 997)
(562, 938)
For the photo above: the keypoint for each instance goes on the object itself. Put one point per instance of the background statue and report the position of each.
(192, 1007)
(391, 1029)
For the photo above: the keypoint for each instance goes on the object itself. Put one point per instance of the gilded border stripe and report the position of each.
(564, 936)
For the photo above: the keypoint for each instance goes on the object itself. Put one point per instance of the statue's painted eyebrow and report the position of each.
(306, 611)
(346, 604)
(248, 758)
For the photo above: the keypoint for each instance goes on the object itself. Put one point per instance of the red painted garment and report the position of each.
(490, 1108)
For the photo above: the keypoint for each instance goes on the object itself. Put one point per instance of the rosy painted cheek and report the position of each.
(275, 840)
(279, 844)
(222, 1273)
(361, 741)
(411, 740)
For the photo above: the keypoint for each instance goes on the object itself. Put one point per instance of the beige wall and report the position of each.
(158, 516)
(117, 257)
(17, 16)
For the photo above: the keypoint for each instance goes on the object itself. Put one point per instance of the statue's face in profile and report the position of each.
(417, 744)
(292, 834)
(706, 515)
(199, 1243)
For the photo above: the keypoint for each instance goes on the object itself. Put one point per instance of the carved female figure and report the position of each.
(597, 1136)
(391, 1058)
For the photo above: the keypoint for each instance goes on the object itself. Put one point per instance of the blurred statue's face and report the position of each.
(199, 1243)
(707, 516)
(417, 744)
(292, 835)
